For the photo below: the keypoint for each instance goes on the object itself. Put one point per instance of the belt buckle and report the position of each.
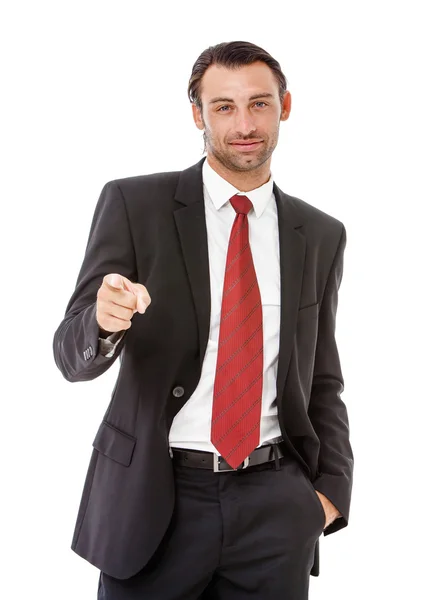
(216, 465)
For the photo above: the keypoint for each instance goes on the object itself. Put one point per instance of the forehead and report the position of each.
(238, 83)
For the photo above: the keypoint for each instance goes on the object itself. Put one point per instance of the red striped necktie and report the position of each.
(238, 386)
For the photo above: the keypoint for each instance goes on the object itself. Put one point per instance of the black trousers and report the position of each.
(233, 536)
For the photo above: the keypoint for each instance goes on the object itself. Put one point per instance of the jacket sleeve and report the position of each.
(109, 249)
(327, 411)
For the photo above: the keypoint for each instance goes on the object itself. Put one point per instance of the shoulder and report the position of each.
(325, 234)
(142, 193)
(317, 224)
(312, 214)
(129, 186)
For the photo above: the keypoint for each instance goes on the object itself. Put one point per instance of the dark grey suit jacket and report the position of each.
(152, 230)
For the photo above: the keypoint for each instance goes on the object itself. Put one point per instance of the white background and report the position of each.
(96, 90)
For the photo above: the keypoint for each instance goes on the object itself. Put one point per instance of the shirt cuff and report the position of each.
(108, 345)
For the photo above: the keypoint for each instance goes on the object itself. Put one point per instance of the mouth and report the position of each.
(246, 146)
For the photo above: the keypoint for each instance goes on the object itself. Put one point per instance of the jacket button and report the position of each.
(178, 391)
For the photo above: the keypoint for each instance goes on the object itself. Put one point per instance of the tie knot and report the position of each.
(241, 204)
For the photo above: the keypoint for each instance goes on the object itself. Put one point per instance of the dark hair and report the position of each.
(231, 55)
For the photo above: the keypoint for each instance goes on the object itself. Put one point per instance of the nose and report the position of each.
(244, 122)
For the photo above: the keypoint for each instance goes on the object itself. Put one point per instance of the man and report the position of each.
(224, 452)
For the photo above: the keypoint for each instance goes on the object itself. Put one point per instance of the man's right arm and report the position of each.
(77, 344)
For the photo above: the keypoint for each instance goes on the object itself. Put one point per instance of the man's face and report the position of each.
(240, 106)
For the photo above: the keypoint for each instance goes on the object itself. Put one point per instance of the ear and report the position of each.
(197, 116)
(286, 106)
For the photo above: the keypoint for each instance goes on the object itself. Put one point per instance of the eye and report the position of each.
(227, 106)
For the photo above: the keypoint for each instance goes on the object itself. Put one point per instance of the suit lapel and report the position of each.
(192, 231)
(292, 256)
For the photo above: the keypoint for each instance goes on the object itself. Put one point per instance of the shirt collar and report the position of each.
(220, 190)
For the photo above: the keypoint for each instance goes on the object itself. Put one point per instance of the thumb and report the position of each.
(139, 292)
(115, 281)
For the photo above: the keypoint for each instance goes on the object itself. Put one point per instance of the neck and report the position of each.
(244, 181)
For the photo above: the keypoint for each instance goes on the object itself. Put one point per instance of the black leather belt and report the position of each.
(210, 460)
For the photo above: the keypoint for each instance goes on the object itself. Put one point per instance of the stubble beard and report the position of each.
(243, 163)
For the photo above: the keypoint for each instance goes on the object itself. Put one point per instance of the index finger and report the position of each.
(122, 296)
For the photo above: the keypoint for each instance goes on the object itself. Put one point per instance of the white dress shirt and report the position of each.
(191, 427)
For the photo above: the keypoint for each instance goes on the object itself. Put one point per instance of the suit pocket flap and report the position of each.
(114, 444)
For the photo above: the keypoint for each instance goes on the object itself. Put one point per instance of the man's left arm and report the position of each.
(327, 412)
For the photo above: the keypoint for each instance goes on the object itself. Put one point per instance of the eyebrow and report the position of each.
(254, 97)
